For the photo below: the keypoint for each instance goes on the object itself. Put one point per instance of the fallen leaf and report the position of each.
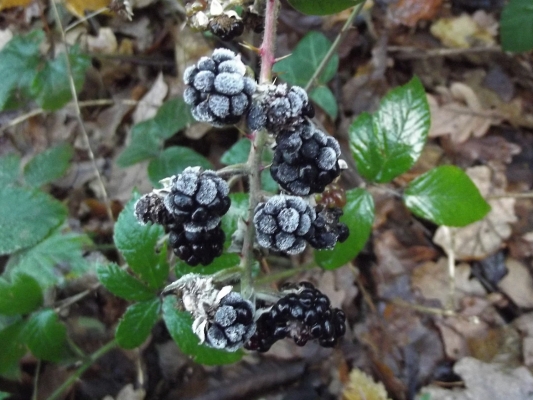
(151, 101)
(104, 43)
(518, 284)
(5, 36)
(409, 12)
(483, 238)
(463, 31)
(128, 393)
(78, 7)
(13, 3)
(363, 387)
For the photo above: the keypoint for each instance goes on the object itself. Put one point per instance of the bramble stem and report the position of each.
(267, 51)
(347, 25)
(84, 367)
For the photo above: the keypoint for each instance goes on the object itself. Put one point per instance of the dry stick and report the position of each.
(78, 114)
(344, 31)
(255, 157)
(85, 366)
(525, 195)
(451, 268)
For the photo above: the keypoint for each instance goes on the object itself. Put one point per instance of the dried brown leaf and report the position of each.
(518, 284)
(464, 31)
(363, 387)
(151, 101)
(409, 12)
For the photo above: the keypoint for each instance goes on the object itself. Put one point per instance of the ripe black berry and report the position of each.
(226, 27)
(282, 223)
(198, 199)
(326, 230)
(306, 160)
(200, 247)
(278, 108)
(218, 90)
(232, 323)
(150, 208)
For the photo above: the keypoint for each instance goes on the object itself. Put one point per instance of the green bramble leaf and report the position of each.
(299, 67)
(446, 196)
(9, 169)
(516, 26)
(172, 117)
(179, 325)
(42, 260)
(238, 210)
(323, 7)
(225, 261)
(137, 323)
(49, 165)
(326, 100)
(51, 86)
(138, 243)
(4, 395)
(173, 161)
(46, 336)
(122, 284)
(20, 296)
(19, 61)
(13, 348)
(30, 215)
(359, 217)
(388, 143)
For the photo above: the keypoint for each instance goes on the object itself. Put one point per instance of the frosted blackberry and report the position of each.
(198, 199)
(150, 208)
(326, 230)
(278, 108)
(282, 223)
(231, 323)
(218, 90)
(226, 27)
(303, 314)
(306, 160)
(200, 247)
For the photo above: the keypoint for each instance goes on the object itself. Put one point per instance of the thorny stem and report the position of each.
(84, 367)
(79, 117)
(344, 31)
(267, 51)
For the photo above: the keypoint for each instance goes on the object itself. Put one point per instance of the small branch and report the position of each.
(414, 53)
(79, 117)
(34, 396)
(450, 237)
(344, 31)
(233, 170)
(525, 195)
(84, 367)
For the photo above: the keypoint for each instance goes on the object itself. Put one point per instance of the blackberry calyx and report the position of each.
(150, 208)
(226, 27)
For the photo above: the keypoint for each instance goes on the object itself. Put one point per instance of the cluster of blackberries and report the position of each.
(231, 324)
(190, 209)
(326, 230)
(218, 90)
(303, 314)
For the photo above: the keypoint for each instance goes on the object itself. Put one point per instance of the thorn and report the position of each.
(248, 46)
(282, 58)
(250, 136)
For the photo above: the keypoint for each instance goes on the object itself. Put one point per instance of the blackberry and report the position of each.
(326, 230)
(198, 199)
(333, 195)
(306, 160)
(200, 247)
(282, 223)
(218, 90)
(226, 27)
(303, 314)
(150, 208)
(231, 324)
(279, 108)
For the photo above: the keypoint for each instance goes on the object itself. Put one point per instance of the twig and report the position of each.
(34, 395)
(87, 17)
(423, 309)
(84, 367)
(413, 52)
(255, 157)
(451, 268)
(79, 117)
(344, 31)
(525, 195)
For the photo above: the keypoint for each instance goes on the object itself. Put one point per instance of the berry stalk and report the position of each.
(267, 52)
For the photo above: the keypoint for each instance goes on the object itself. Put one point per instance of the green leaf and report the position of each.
(42, 260)
(323, 7)
(46, 336)
(20, 296)
(19, 60)
(173, 116)
(51, 86)
(9, 169)
(516, 26)
(144, 144)
(48, 166)
(122, 284)
(238, 210)
(30, 215)
(238, 153)
(173, 161)
(4, 395)
(298, 69)
(137, 323)
(446, 196)
(326, 100)
(389, 142)
(13, 348)
(359, 217)
(226, 260)
(179, 325)
(137, 243)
